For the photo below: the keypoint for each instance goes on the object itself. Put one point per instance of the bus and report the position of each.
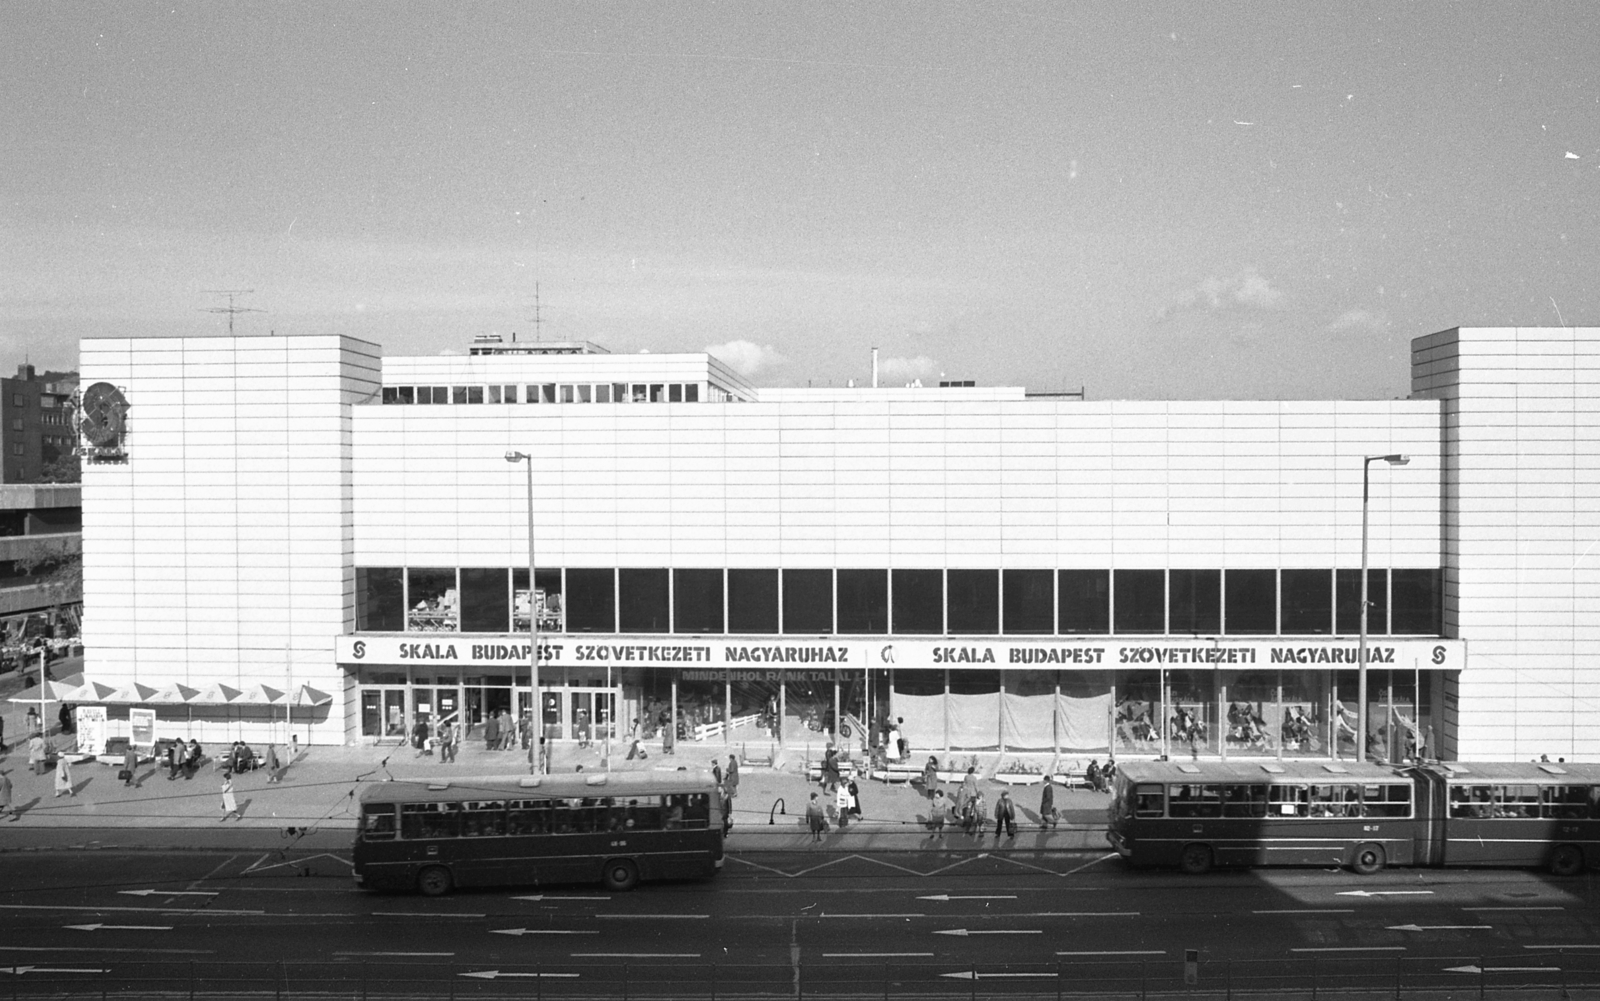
(1201, 814)
(616, 828)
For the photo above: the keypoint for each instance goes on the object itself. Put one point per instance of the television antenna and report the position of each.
(232, 308)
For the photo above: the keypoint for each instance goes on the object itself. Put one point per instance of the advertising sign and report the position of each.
(143, 724)
(91, 726)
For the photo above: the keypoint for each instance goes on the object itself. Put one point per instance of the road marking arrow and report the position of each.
(539, 931)
(119, 927)
(963, 932)
(542, 896)
(970, 974)
(1385, 893)
(948, 897)
(496, 974)
(1502, 969)
(1437, 927)
(19, 970)
(169, 893)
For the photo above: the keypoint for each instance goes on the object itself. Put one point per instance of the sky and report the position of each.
(1155, 201)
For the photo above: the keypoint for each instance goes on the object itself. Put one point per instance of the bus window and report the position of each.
(1194, 801)
(1386, 800)
(430, 820)
(483, 820)
(1566, 802)
(378, 822)
(1149, 800)
(528, 816)
(1286, 801)
(1244, 801)
(1335, 800)
(1471, 802)
(1516, 802)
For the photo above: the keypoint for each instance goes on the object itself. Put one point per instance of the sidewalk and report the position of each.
(319, 789)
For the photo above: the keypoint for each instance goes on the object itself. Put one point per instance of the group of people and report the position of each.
(728, 782)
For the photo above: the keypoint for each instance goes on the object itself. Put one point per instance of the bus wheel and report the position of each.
(1196, 860)
(434, 881)
(1367, 860)
(1567, 861)
(621, 874)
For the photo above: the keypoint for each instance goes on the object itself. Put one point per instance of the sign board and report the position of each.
(142, 723)
(90, 722)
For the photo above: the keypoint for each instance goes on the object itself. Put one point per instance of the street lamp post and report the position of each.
(1361, 647)
(535, 744)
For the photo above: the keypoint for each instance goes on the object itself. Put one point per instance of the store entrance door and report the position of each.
(585, 715)
(383, 713)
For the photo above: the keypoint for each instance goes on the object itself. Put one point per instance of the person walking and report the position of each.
(975, 816)
(174, 759)
(37, 754)
(447, 743)
(969, 787)
(230, 805)
(938, 811)
(930, 777)
(130, 764)
(33, 721)
(815, 819)
(669, 736)
(1005, 815)
(855, 799)
(270, 762)
(64, 778)
(841, 803)
(191, 763)
(5, 798)
(1048, 817)
(491, 732)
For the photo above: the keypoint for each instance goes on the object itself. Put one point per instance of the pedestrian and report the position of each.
(191, 763)
(33, 721)
(891, 743)
(669, 736)
(64, 778)
(975, 816)
(64, 717)
(969, 787)
(930, 777)
(37, 754)
(901, 742)
(731, 778)
(841, 802)
(1005, 815)
(1047, 804)
(855, 800)
(938, 810)
(447, 743)
(1091, 775)
(636, 749)
(830, 766)
(1108, 774)
(491, 732)
(2, 735)
(294, 750)
(716, 771)
(130, 764)
(174, 759)
(815, 819)
(270, 763)
(5, 798)
(230, 806)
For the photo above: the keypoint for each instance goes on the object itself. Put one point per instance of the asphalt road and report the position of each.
(896, 925)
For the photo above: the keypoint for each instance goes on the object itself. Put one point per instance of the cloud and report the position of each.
(1358, 319)
(1247, 289)
(746, 357)
(892, 371)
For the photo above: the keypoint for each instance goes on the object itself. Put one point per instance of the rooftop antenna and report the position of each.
(538, 331)
(232, 308)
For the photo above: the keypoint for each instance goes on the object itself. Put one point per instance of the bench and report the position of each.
(897, 772)
(847, 769)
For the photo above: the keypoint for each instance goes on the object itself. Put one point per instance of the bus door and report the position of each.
(1431, 807)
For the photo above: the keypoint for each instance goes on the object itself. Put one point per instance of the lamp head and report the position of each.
(1397, 460)
(514, 456)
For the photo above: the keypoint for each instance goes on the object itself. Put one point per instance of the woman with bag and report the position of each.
(130, 762)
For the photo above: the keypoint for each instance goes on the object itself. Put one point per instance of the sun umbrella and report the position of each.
(215, 693)
(174, 694)
(261, 695)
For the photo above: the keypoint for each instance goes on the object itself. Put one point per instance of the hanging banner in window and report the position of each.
(742, 655)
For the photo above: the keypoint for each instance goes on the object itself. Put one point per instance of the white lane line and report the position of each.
(1354, 948)
(1086, 865)
(635, 955)
(205, 911)
(1310, 910)
(1078, 914)
(425, 914)
(653, 917)
(1513, 908)
(419, 954)
(827, 915)
(873, 955)
(1118, 952)
(96, 948)
(1568, 946)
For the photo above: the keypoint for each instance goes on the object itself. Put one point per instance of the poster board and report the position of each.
(90, 722)
(142, 728)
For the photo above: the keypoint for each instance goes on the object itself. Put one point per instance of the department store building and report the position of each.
(299, 531)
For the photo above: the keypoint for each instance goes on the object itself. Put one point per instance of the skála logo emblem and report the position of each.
(102, 420)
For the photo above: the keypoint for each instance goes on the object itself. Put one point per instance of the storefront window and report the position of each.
(1141, 601)
(1030, 602)
(1195, 601)
(1138, 712)
(380, 599)
(753, 601)
(1252, 602)
(485, 602)
(701, 703)
(433, 598)
(973, 601)
(1192, 712)
(547, 596)
(1084, 598)
(863, 601)
(755, 705)
(918, 599)
(808, 707)
(1303, 727)
(1348, 612)
(591, 600)
(642, 606)
(1415, 597)
(697, 601)
(1307, 600)
(808, 601)
(1253, 724)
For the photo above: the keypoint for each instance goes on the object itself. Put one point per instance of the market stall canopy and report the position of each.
(216, 694)
(90, 691)
(262, 695)
(173, 694)
(54, 691)
(308, 696)
(133, 694)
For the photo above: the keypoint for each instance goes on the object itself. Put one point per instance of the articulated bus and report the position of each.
(616, 828)
(1200, 814)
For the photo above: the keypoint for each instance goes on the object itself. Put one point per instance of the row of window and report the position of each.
(502, 818)
(556, 392)
(1522, 802)
(1323, 799)
(880, 602)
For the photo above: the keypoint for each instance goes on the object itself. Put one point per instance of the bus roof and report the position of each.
(588, 785)
(1522, 772)
(1256, 771)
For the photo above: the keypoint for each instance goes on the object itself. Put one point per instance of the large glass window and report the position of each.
(753, 601)
(1252, 601)
(1141, 601)
(1196, 601)
(1348, 595)
(808, 601)
(432, 596)
(591, 601)
(1307, 601)
(642, 600)
(1030, 602)
(697, 601)
(863, 601)
(380, 599)
(918, 601)
(547, 595)
(1415, 598)
(485, 601)
(1084, 600)
(973, 598)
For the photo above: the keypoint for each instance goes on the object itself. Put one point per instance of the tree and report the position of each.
(63, 468)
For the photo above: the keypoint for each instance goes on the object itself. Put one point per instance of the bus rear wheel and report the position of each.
(434, 881)
(1567, 861)
(621, 874)
(1367, 860)
(1195, 860)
